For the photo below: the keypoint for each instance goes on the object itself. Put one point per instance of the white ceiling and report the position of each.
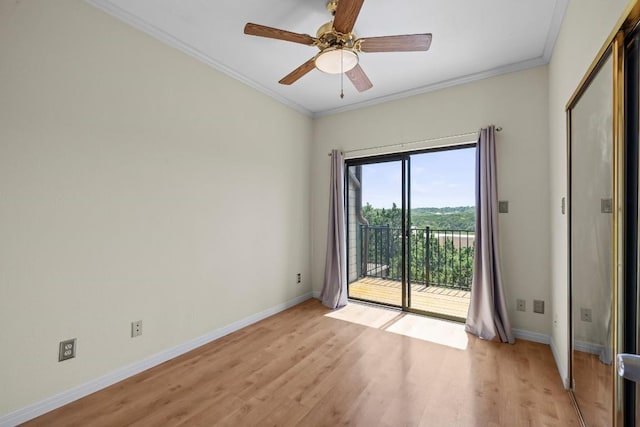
(472, 39)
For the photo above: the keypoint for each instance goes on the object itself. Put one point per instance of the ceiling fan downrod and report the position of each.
(341, 74)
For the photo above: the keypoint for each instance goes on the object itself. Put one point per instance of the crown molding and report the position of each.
(554, 29)
(519, 66)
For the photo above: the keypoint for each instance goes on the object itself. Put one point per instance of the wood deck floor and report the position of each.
(433, 299)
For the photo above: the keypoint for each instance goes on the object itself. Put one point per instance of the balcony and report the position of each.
(440, 268)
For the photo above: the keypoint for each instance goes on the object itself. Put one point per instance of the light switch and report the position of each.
(503, 206)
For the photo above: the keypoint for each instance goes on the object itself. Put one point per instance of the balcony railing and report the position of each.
(435, 257)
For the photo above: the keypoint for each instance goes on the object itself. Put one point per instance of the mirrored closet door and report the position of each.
(591, 246)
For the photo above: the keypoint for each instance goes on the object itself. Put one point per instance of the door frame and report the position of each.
(405, 159)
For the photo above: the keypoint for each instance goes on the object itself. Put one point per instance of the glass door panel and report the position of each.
(375, 220)
(441, 231)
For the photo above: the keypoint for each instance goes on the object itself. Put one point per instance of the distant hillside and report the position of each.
(449, 218)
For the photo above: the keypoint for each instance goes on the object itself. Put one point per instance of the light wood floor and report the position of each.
(433, 299)
(303, 368)
(593, 388)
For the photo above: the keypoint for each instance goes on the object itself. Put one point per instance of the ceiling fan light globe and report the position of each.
(336, 60)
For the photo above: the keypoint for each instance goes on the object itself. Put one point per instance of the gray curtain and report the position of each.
(487, 317)
(334, 288)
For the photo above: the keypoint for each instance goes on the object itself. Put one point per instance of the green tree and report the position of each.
(433, 259)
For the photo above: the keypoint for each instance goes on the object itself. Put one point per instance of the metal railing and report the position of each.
(435, 257)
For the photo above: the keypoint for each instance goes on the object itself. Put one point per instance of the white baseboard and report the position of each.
(49, 404)
(316, 294)
(588, 347)
(531, 336)
(564, 375)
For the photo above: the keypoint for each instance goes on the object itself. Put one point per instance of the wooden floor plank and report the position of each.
(593, 388)
(301, 368)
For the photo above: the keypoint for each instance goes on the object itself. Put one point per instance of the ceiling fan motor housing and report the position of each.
(327, 36)
(337, 53)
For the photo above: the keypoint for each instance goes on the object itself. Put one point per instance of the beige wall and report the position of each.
(135, 183)
(586, 25)
(517, 102)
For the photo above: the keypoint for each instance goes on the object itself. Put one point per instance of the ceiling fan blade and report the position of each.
(346, 15)
(276, 33)
(293, 76)
(404, 43)
(359, 78)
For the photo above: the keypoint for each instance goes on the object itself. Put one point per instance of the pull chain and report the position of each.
(341, 74)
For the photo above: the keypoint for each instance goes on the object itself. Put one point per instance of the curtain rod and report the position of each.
(402, 144)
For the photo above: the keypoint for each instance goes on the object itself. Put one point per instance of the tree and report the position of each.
(434, 257)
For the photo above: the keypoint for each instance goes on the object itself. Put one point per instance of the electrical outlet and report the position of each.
(538, 306)
(299, 278)
(585, 314)
(136, 329)
(67, 350)
(503, 206)
(521, 305)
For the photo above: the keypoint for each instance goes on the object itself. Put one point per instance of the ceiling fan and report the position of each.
(339, 46)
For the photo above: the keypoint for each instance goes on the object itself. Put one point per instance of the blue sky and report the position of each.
(438, 179)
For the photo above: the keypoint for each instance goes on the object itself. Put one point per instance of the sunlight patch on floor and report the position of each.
(437, 331)
(374, 317)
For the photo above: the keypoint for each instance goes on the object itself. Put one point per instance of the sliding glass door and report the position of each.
(410, 223)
